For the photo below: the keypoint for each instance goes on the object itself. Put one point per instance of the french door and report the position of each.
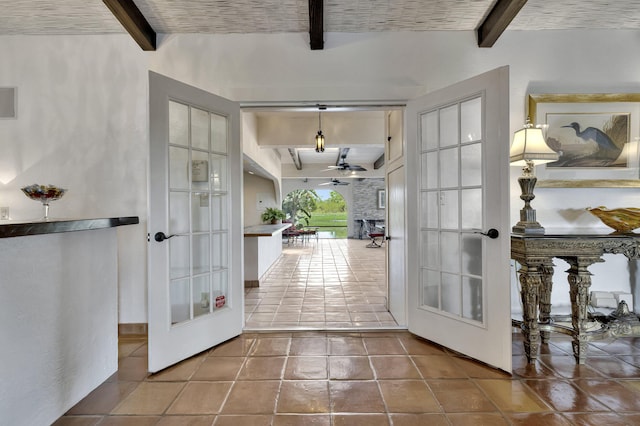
(458, 144)
(195, 231)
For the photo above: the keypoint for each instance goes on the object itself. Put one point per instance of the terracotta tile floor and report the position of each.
(367, 378)
(351, 378)
(326, 283)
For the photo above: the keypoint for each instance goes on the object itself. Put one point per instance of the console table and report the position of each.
(535, 253)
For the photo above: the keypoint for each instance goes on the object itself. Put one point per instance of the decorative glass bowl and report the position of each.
(623, 220)
(45, 194)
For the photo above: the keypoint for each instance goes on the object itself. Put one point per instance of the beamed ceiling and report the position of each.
(145, 18)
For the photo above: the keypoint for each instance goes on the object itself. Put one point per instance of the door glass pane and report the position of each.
(178, 124)
(218, 133)
(199, 170)
(200, 211)
(430, 171)
(449, 126)
(450, 252)
(449, 168)
(471, 120)
(431, 249)
(179, 297)
(178, 168)
(179, 257)
(431, 288)
(201, 297)
(451, 293)
(449, 209)
(219, 251)
(220, 289)
(472, 254)
(471, 159)
(471, 208)
(218, 212)
(429, 128)
(472, 298)
(178, 212)
(199, 129)
(431, 209)
(218, 172)
(200, 253)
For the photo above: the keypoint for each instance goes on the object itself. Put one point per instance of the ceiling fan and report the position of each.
(342, 164)
(335, 182)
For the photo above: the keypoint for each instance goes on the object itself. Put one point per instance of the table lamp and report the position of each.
(528, 149)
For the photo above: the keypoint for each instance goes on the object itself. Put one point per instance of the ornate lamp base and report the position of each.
(528, 223)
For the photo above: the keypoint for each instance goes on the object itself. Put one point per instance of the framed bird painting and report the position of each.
(595, 135)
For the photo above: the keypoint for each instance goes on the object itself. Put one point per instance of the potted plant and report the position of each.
(272, 215)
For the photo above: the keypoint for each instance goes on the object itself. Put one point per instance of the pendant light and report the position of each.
(319, 136)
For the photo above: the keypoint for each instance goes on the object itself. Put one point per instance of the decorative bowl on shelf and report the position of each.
(45, 194)
(623, 220)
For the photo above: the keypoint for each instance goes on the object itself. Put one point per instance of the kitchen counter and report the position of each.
(262, 247)
(59, 310)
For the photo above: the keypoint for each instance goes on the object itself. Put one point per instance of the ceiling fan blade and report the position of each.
(355, 168)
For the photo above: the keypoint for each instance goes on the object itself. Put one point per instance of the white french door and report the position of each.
(458, 144)
(195, 233)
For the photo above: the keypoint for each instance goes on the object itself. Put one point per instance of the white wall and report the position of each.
(83, 105)
(259, 193)
(82, 124)
(58, 310)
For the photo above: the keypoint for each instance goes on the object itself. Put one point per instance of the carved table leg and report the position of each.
(530, 280)
(579, 283)
(546, 285)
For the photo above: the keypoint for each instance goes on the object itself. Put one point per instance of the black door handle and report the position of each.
(387, 237)
(491, 233)
(160, 236)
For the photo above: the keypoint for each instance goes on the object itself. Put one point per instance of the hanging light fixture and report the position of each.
(319, 136)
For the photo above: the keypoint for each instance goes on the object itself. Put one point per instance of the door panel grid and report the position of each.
(198, 210)
(451, 210)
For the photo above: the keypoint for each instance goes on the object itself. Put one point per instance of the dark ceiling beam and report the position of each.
(295, 156)
(316, 25)
(497, 21)
(379, 162)
(342, 155)
(134, 22)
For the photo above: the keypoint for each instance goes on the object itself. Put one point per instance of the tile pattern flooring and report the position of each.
(378, 378)
(331, 378)
(324, 283)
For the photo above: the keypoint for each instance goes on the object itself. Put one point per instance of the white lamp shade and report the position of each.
(529, 145)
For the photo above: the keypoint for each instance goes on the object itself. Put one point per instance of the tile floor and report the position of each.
(351, 378)
(375, 378)
(324, 284)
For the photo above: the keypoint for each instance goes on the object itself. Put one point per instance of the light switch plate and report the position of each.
(4, 213)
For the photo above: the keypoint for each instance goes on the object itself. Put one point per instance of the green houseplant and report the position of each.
(272, 215)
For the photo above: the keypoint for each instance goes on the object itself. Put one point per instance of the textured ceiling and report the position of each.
(278, 16)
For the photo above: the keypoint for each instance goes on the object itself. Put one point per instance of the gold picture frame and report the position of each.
(545, 108)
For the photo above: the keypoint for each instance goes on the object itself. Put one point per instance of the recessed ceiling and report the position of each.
(280, 16)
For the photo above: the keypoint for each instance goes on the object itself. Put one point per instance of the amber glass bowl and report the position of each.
(623, 220)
